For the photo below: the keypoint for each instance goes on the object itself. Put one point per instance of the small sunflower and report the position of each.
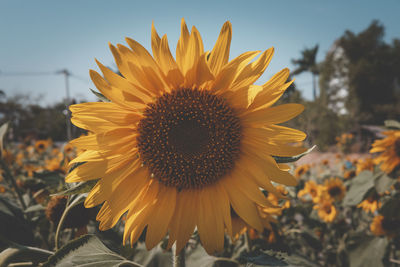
(41, 145)
(183, 142)
(68, 149)
(313, 189)
(389, 148)
(301, 170)
(371, 203)
(274, 199)
(239, 226)
(326, 210)
(349, 174)
(365, 164)
(335, 189)
(382, 225)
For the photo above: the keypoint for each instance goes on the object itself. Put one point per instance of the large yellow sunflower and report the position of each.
(389, 148)
(184, 141)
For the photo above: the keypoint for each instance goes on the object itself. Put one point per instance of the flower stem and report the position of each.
(178, 259)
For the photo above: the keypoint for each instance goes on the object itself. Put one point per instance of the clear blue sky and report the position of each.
(46, 36)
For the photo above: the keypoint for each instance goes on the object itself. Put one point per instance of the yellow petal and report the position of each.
(128, 89)
(228, 73)
(161, 216)
(169, 65)
(182, 47)
(253, 71)
(220, 53)
(272, 115)
(245, 208)
(155, 43)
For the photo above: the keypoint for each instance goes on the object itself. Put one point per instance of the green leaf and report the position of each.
(13, 225)
(383, 183)
(264, 258)
(34, 208)
(50, 178)
(276, 258)
(370, 252)
(391, 207)
(80, 188)
(294, 158)
(359, 186)
(392, 124)
(87, 251)
(3, 130)
(100, 96)
(23, 254)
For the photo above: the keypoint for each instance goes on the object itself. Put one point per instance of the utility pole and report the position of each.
(66, 74)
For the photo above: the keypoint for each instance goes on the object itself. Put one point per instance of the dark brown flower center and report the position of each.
(335, 191)
(189, 138)
(397, 147)
(390, 224)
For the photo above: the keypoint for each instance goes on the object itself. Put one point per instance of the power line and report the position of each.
(42, 73)
(26, 73)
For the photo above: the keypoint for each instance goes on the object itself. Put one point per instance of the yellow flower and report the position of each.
(365, 164)
(68, 149)
(313, 189)
(349, 174)
(301, 170)
(326, 210)
(239, 226)
(382, 225)
(274, 200)
(7, 156)
(2, 189)
(390, 151)
(182, 141)
(370, 204)
(41, 145)
(335, 189)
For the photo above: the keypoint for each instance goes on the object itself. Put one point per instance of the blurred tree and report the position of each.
(30, 119)
(308, 63)
(360, 76)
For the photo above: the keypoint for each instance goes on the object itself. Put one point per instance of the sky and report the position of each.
(44, 37)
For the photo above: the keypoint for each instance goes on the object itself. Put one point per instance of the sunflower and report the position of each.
(365, 164)
(349, 174)
(326, 210)
(313, 189)
(301, 170)
(335, 189)
(371, 203)
(41, 145)
(239, 226)
(390, 151)
(382, 225)
(274, 199)
(68, 149)
(182, 142)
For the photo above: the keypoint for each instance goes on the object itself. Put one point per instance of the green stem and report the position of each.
(11, 180)
(70, 204)
(178, 259)
(60, 224)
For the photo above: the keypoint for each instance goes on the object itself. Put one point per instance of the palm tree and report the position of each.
(308, 63)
